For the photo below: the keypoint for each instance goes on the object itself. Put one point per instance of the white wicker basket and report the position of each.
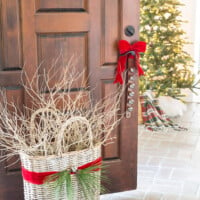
(68, 161)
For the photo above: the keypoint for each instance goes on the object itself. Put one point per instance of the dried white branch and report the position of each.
(41, 129)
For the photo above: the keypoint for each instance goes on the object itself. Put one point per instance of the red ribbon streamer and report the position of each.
(126, 51)
(39, 178)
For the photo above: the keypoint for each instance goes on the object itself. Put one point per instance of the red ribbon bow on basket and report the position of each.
(126, 51)
(39, 178)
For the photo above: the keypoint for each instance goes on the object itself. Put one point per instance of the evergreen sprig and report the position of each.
(88, 180)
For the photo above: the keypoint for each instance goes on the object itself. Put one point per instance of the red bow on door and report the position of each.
(126, 51)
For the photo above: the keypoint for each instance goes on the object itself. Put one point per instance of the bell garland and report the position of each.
(129, 51)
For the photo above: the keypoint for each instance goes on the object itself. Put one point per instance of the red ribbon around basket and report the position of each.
(39, 178)
(126, 51)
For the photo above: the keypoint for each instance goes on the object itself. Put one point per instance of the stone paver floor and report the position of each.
(168, 162)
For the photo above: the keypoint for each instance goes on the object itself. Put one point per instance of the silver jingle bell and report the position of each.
(132, 86)
(132, 70)
(130, 109)
(132, 78)
(131, 94)
(131, 101)
(128, 114)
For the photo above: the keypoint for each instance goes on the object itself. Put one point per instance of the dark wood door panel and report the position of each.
(110, 31)
(111, 150)
(10, 78)
(61, 5)
(12, 188)
(61, 22)
(55, 51)
(10, 34)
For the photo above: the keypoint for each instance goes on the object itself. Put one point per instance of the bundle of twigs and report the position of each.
(36, 130)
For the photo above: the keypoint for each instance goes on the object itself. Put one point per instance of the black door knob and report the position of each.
(129, 31)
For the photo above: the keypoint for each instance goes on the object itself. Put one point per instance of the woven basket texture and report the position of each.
(52, 163)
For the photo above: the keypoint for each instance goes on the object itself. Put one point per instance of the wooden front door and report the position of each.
(37, 31)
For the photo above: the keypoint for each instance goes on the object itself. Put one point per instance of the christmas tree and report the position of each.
(168, 68)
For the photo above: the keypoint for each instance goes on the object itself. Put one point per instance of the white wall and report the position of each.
(197, 35)
(189, 14)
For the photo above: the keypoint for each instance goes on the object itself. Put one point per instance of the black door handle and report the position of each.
(129, 31)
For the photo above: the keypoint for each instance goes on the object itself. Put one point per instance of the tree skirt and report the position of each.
(153, 116)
